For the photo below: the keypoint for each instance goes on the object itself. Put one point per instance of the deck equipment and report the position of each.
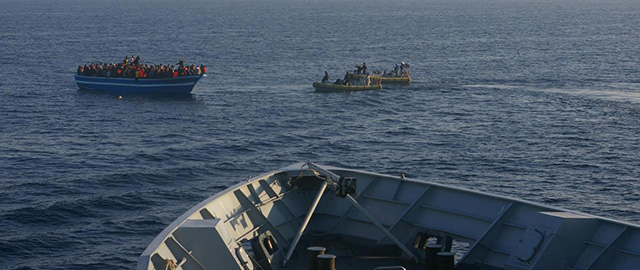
(375, 221)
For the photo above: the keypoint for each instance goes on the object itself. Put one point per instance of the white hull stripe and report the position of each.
(137, 85)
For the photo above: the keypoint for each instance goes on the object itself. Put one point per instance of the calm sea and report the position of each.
(529, 99)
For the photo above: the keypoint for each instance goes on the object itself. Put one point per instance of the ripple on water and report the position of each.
(87, 180)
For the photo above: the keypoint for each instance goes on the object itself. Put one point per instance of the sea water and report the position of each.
(538, 100)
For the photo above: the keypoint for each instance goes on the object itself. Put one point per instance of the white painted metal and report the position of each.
(382, 228)
(500, 232)
(319, 170)
(323, 187)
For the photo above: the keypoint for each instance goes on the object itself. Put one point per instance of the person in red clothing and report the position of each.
(132, 68)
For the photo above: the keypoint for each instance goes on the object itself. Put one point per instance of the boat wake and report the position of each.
(495, 86)
(627, 95)
(625, 92)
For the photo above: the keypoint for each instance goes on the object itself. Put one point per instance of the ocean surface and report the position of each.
(538, 100)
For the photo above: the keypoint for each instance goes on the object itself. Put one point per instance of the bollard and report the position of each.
(431, 257)
(420, 241)
(446, 260)
(326, 262)
(446, 242)
(313, 256)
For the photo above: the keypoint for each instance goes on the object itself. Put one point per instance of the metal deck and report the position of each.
(487, 231)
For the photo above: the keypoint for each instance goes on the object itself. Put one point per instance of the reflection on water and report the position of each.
(509, 98)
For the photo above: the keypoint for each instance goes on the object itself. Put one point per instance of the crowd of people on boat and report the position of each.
(348, 79)
(401, 70)
(132, 68)
(361, 69)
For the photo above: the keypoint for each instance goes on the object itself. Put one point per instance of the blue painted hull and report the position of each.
(179, 85)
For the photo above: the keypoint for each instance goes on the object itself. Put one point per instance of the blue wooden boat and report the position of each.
(178, 85)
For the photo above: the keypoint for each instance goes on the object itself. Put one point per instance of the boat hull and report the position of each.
(179, 85)
(329, 87)
(391, 79)
(389, 214)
